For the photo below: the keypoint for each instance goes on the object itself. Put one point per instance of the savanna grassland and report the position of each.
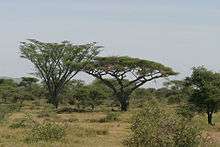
(52, 108)
(86, 129)
(81, 129)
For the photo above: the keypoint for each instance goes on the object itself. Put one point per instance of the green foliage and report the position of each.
(7, 109)
(206, 90)
(28, 82)
(174, 92)
(156, 126)
(84, 96)
(179, 88)
(174, 99)
(7, 89)
(19, 123)
(46, 132)
(128, 74)
(124, 63)
(11, 92)
(141, 95)
(57, 63)
(187, 111)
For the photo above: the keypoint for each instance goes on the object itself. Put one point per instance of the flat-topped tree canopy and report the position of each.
(136, 72)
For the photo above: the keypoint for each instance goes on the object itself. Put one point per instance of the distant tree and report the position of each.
(6, 92)
(84, 96)
(7, 89)
(206, 90)
(27, 82)
(110, 99)
(8, 82)
(121, 69)
(20, 94)
(73, 88)
(141, 95)
(57, 63)
(96, 96)
(179, 91)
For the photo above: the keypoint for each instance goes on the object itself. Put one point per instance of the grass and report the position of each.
(81, 129)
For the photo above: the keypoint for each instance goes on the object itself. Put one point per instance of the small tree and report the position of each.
(206, 91)
(96, 96)
(84, 95)
(57, 63)
(121, 69)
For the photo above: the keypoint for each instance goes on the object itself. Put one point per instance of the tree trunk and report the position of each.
(93, 107)
(210, 118)
(124, 105)
(56, 102)
(124, 100)
(54, 99)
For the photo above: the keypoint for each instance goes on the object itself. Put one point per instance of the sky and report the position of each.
(180, 34)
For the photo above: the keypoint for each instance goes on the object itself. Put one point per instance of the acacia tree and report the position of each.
(206, 91)
(128, 74)
(57, 63)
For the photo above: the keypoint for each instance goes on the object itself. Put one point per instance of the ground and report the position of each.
(83, 129)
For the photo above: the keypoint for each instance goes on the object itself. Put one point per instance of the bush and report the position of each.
(157, 126)
(46, 132)
(20, 123)
(9, 108)
(110, 117)
(6, 109)
(173, 99)
(186, 111)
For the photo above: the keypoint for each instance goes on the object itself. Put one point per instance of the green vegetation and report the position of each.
(46, 132)
(57, 63)
(157, 126)
(206, 91)
(54, 109)
(119, 68)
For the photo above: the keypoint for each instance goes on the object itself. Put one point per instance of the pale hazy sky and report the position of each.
(177, 33)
